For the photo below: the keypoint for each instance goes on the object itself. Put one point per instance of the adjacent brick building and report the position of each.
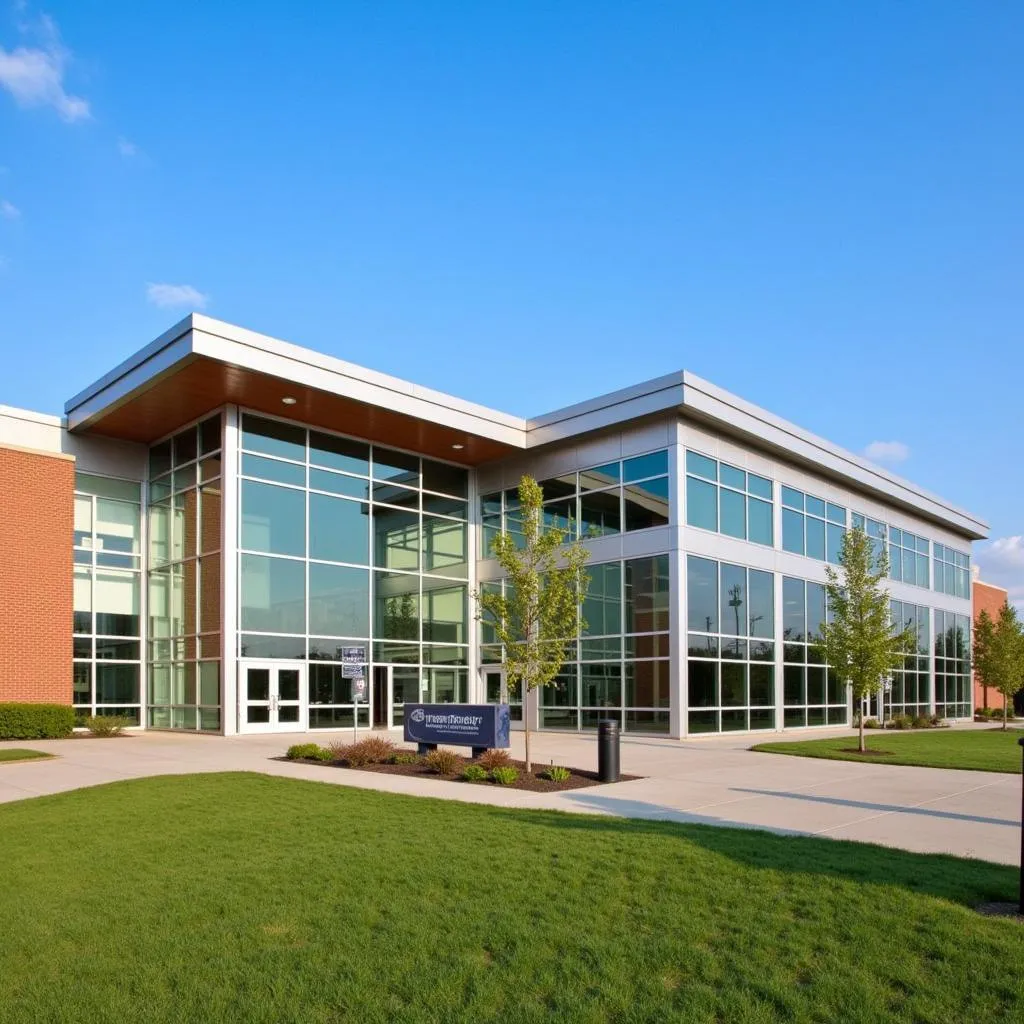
(36, 519)
(986, 597)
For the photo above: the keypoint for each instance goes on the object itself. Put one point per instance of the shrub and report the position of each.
(491, 759)
(901, 722)
(372, 750)
(505, 775)
(936, 721)
(474, 773)
(36, 721)
(922, 722)
(556, 773)
(871, 723)
(304, 750)
(444, 762)
(405, 757)
(106, 725)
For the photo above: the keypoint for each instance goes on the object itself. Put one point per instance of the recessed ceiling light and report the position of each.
(458, 447)
(288, 400)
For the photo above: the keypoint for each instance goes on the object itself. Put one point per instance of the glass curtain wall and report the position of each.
(911, 686)
(952, 665)
(952, 572)
(724, 499)
(185, 569)
(811, 693)
(621, 669)
(617, 497)
(342, 544)
(731, 646)
(107, 640)
(908, 557)
(812, 526)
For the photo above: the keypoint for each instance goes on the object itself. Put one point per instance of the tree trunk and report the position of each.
(1005, 706)
(862, 747)
(526, 729)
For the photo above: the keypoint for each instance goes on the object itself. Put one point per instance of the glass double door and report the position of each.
(273, 697)
(394, 686)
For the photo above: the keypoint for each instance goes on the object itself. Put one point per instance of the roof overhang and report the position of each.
(201, 364)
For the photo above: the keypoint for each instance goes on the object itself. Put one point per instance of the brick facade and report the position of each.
(36, 532)
(985, 597)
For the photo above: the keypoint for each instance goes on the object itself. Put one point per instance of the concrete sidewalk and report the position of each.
(714, 781)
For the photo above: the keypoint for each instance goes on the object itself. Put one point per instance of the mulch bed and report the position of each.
(1010, 910)
(579, 778)
(870, 752)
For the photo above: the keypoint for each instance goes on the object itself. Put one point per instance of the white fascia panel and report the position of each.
(619, 407)
(711, 403)
(133, 376)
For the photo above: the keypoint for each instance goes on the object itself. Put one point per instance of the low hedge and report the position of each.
(36, 721)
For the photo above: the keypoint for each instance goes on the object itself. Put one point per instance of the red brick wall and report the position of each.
(985, 597)
(36, 530)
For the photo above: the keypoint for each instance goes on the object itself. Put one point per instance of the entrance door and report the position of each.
(496, 692)
(272, 697)
(381, 695)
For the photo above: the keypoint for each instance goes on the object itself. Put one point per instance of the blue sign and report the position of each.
(459, 725)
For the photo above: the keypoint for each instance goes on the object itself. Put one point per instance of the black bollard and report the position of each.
(608, 750)
(1020, 907)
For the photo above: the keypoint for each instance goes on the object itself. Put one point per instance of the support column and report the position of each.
(229, 572)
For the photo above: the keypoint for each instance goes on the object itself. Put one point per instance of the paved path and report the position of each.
(714, 780)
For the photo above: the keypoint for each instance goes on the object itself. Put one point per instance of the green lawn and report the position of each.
(983, 750)
(251, 898)
(21, 754)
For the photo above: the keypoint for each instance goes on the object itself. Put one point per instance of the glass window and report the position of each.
(439, 476)
(646, 504)
(339, 600)
(272, 437)
(396, 606)
(339, 453)
(701, 465)
(116, 597)
(339, 530)
(761, 588)
(793, 612)
(397, 466)
(273, 469)
(396, 538)
(273, 519)
(272, 594)
(759, 519)
(733, 508)
(602, 606)
(730, 476)
(646, 594)
(337, 483)
(734, 599)
(701, 504)
(654, 464)
(792, 531)
(600, 513)
(702, 594)
(444, 547)
(600, 477)
(444, 612)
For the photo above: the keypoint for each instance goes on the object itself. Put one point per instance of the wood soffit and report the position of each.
(199, 385)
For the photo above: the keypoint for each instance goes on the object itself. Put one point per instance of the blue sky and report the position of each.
(817, 206)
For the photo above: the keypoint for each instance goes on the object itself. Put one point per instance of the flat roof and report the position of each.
(202, 363)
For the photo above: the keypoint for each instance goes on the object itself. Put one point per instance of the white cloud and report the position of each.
(8, 210)
(1001, 562)
(34, 75)
(126, 148)
(168, 295)
(887, 451)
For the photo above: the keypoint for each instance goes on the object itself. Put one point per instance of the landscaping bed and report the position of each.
(493, 768)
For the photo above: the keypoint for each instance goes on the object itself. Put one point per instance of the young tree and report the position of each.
(999, 653)
(861, 643)
(537, 619)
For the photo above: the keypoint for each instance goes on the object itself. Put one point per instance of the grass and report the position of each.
(981, 750)
(22, 754)
(244, 898)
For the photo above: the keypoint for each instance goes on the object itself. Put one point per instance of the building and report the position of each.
(986, 597)
(220, 522)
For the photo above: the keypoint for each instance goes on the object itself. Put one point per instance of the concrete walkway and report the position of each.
(714, 781)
